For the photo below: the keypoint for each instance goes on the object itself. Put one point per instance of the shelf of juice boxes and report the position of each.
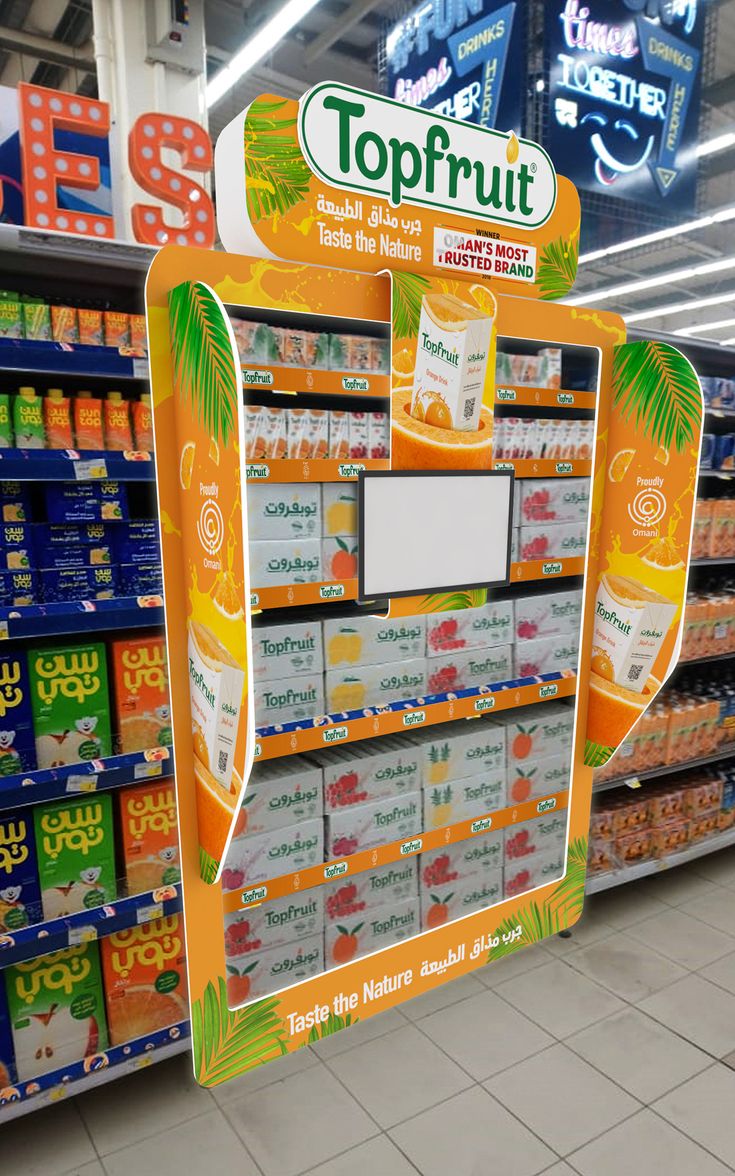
(50, 358)
(633, 778)
(58, 619)
(599, 882)
(86, 777)
(76, 465)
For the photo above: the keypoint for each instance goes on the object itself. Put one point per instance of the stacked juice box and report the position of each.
(713, 535)
(309, 434)
(83, 421)
(552, 518)
(541, 371)
(294, 535)
(709, 623)
(535, 853)
(28, 316)
(546, 634)
(370, 911)
(297, 347)
(524, 438)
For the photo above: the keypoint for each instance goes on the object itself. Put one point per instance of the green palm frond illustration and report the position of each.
(277, 174)
(446, 601)
(558, 267)
(208, 867)
(333, 1024)
(596, 754)
(562, 908)
(225, 1042)
(408, 290)
(204, 363)
(656, 388)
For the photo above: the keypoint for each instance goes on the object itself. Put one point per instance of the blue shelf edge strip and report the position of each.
(76, 465)
(74, 359)
(90, 776)
(46, 620)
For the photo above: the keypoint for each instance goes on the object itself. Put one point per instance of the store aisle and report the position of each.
(630, 1023)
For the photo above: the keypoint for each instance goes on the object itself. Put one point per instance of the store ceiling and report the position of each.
(49, 42)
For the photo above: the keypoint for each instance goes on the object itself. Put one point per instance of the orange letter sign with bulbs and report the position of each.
(149, 135)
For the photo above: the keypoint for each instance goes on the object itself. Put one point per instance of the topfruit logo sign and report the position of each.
(356, 140)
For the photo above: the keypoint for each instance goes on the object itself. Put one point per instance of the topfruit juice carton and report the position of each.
(554, 500)
(460, 749)
(76, 854)
(552, 540)
(142, 706)
(524, 874)
(215, 697)
(376, 929)
(8, 1075)
(282, 650)
(288, 700)
(545, 655)
(363, 826)
(463, 800)
(444, 903)
(269, 971)
(631, 622)
(272, 924)
(362, 686)
(547, 614)
(339, 436)
(20, 894)
(145, 978)
(149, 836)
(531, 780)
(280, 793)
(470, 628)
(482, 854)
(454, 341)
(57, 1010)
(275, 562)
(339, 507)
(255, 859)
(367, 641)
(467, 668)
(70, 703)
(535, 838)
(284, 511)
(537, 732)
(371, 888)
(17, 745)
(364, 772)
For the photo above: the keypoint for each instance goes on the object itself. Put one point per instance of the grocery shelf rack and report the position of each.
(599, 882)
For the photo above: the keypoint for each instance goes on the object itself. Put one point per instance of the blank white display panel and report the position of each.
(423, 531)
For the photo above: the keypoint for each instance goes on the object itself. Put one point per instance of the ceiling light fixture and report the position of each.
(677, 307)
(719, 143)
(718, 325)
(702, 222)
(680, 275)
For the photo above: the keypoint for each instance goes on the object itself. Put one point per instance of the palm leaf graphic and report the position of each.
(558, 267)
(277, 174)
(333, 1024)
(408, 291)
(561, 909)
(225, 1042)
(656, 387)
(204, 363)
(596, 754)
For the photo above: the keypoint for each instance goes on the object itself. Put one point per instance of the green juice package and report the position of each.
(71, 704)
(75, 854)
(28, 420)
(6, 425)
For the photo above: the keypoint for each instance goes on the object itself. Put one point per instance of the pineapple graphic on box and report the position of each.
(70, 703)
(145, 978)
(149, 836)
(76, 854)
(142, 706)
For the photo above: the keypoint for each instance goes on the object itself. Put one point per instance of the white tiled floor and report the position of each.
(606, 1053)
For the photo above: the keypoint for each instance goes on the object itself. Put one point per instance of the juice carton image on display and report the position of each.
(216, 684)
(631, 622)
(145, 978)
(459, 860)
(20, 894)
(476, 892)
(470, 628)
(366, 640)
(17, 744)
(268, 971)
(454, 340)
(282, 650)
(273, 924)
(149, 836)
(361, 686)
(142, 706)
(364, 826)
(538, 731)
(534, 779)
(284, 792)
(76, 854)
(57, 1010)
(69, 699)
(254, 859)
(463, 800)
(460, 749)
(365, 772)
(376, 887)
(376, 929)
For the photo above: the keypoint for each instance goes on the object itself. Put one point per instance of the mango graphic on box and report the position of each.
(76, 854)
(20, 896)
(149, 836)
(17, 745)
(145, 978)
(142, 704)
(56, 1008)
(69, 697)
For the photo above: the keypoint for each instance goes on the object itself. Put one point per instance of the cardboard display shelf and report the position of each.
(546, 569)
(265, 377)
(299, 595)
(543, 397)
(321, 470)
(545, 467)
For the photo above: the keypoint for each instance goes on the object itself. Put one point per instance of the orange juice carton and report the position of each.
(270, 971)
(374, 887)
(216, 684)
(350, 353)
(148, 828)
(281, 793)
(255, 432)
(542, 778)
(547, 614)
(28, 419)
(253, 341)
(359, 936)
(91, 330)
(282, 650)
(57, 420)
(365, 826)
(669, 837)
(526, 873)
(138, 333)
(361, 686)
(36, 320)
(339, 435)
(454, 343)
(294, 699)
(631, 622)
(546, 654)
(481, 854)
(339, 557)
(17, 747)
(276, 562)
(550, 370)
(554, 500)
(366, 640)
(299, 442)
(318, 433)
(702, 796)
(703, 825)
(701, 529)
(537, 732)
(470, 628)
(258, 858)
(666, 804)
(118, 433)
(463, 800)
(88, 428)
(721, 528)
(299, 348)
(636, 846)
(284, 511)
(359, 434)
(339, 508)
(274, 425)
(553, 540)
(444, 904)
(366, 772)
(16, 546)
(273, 924)
(680, 734)
(143, 423)
(453, 751)
(69, 698)
(467, 668)
(601, 857)
(144, 972)
(379, 435)
(64, 324)
(601, 823)
(56, 1010)
(631, 815)
(140, 681)
(76, 854)
(20, 893)
(117, 328)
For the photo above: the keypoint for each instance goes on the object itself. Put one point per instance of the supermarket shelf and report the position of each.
(721, 561)
(55, 620)
(296, 595)
(267, 377)
(99, 775)
(237, 899)
(700, 661)
(545, 467)
(26, 943)
(716, 473)
(94, 1071)
(543, 397)
(633, 779)
(544, 569)
(71, 465)
(291, 470)
(348, 726)
(599, 882)
(70, 359)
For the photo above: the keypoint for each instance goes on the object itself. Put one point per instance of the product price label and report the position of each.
(4, 631)
(145, 914)
(81, 783)
(79, 935)
(145, 771)
(140, 369)
(90, 471)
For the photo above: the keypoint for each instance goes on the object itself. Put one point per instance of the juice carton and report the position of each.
(535, 838)
(141, 580)
(282, 650)
(144, 972)
(467, 668)
(366, 772)
(463, 800)
(134, 537)
(89, 502)
(142, 706)
(339, 507)
(11, 318)
(288, 700)
(702, 528)
(470, 628)
(138, 332)
(550, 370)
(547, 614)
(371, 888)
(18, 588)
(36, 320)
(88, 427)
(443, 904)
(98, 583)
(285, 561)
(454, 341)
(16, 546)
(57, 1010)
(264, 972)
(379, 435)
(366, 640)
(299, 444)
(281, 793)
(59, 535)
(363, 826)
(284, 511)
(526, 874)
(546, 654)
(363, 686)
(70, 703)
(57, 420)
(17, 745)
(379, 928)
(149, 836)
(339, 435)
(552, 540)
(255, 859)
(531, 781)
(359, 434)
(118, 433)
(350, 353)
(722, 538)
(631, 622)
(143, 423)
(273, 423)
(255, 444)
(318, 433)
(274, 924)
(339, 557)
(554, 500)
(28, 420)
(537, 732)
(216, 684)
(8, 1074)
(459, 860)
(117, 328)
(76, 854)
(20, 893)
(64, 324)
(6, 427)
(91, 331)
(460, 749)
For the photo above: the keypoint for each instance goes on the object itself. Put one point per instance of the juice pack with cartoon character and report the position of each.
(20, 894)
(17, 745)
(76, 854)
(149, 836)
(142, 708)
(69, 698)
(57, 1010)
(8, 1075)
(145, 978)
